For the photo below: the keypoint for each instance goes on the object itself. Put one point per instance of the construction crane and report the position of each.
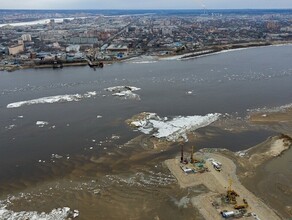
(182, 159)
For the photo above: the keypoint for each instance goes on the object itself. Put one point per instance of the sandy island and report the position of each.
(218, 182)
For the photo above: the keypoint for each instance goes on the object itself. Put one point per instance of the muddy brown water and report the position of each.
(103, 178)
(272, 182)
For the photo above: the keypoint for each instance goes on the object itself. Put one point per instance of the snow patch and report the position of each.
(52, 99)
(175, 128)
(182, 203)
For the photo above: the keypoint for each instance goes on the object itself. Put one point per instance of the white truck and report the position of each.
(217, 166)
(227, 214)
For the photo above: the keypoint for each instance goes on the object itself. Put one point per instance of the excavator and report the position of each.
(231, 194)
(241, 206)
(231, 198)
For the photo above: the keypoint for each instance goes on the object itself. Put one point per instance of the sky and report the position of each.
(145, 4)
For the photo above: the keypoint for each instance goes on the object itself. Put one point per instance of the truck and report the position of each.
(216, 165)
(227, 214)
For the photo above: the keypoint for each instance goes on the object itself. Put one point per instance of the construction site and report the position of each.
(227, 197)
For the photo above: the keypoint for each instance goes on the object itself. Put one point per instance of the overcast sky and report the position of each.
(143, 4)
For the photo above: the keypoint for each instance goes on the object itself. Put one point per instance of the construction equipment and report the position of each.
(192, 155)
(241, 206)
(216, 166)
(231, 194)
(181, 152)
(182, 159)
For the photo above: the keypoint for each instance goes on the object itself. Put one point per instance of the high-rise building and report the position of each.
(26, 37)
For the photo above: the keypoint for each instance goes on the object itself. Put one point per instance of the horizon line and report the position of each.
(156, 9)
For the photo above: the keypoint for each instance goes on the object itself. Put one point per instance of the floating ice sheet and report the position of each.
(9, 127)
(122, 88)
(55, 214)
(124, 91)
(175, 128)
(52, 99)
(145, 62)
(41, 124)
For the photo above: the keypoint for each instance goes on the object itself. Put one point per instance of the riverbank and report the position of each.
(219, 49)
(11, 68)
(210, 50)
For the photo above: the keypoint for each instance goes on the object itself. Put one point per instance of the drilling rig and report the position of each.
(192, 155)
(231, 194)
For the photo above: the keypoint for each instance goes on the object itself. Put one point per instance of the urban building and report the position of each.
(16, 49)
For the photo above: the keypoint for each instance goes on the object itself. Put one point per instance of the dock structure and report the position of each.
(94, 64)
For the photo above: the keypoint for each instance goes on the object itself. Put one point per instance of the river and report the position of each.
(231, 82)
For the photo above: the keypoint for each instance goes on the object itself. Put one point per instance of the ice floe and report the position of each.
(146, 178)
(122, 88)
(42, 124)
(126, 92)
(55, 214)
(9, 127)
(271, 109)
(241, 153)
(56, 156)
(145, 62)
(52, 99)
(172, 129)
(115, 137)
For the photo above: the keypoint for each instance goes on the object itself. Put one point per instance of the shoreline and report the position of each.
(223, 49)
(214, 50)
(12, 68)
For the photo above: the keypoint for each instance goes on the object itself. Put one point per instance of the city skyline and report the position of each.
(150, 4)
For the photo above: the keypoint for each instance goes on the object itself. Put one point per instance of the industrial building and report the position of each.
(16, 49)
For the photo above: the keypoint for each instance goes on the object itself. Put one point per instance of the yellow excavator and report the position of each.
(231, 197)
(241, 206)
